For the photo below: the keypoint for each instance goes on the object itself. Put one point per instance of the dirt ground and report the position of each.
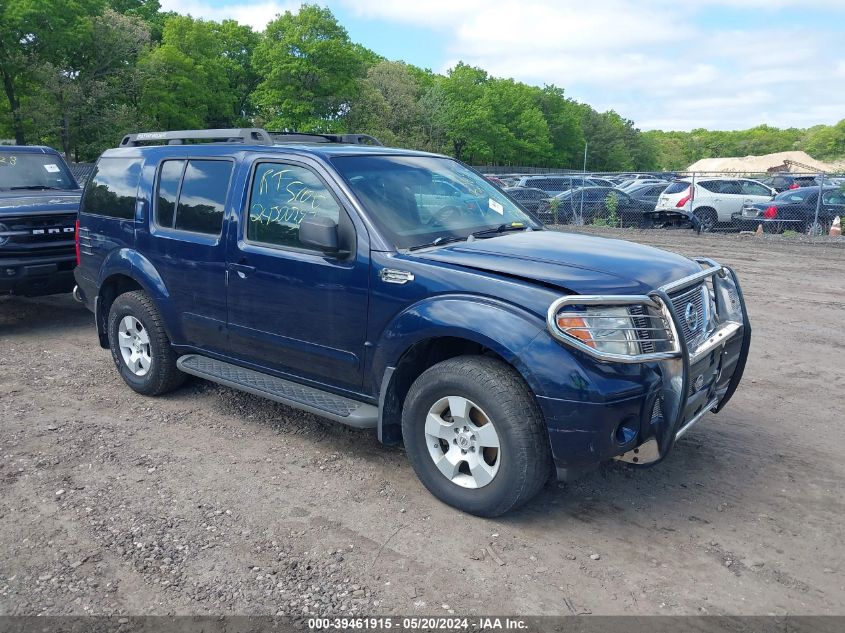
(212, 501)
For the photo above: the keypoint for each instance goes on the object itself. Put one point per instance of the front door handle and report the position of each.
(242, 269)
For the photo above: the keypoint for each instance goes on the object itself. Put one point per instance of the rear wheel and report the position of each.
(140, 347)
(816, 228)
(708, 218)
(475, 436)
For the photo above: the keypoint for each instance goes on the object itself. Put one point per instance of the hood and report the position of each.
(29, 201)
(583, 264)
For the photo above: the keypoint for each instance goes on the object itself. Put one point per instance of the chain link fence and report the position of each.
(779, 202)
(81, 172)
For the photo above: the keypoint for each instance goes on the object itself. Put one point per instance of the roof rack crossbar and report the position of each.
(308, 137)
(252, 135)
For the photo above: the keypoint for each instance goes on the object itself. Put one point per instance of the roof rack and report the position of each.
(307, 137)
(247, 135)
(251, 135)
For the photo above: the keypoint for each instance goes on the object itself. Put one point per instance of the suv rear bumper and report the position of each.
(35, 276)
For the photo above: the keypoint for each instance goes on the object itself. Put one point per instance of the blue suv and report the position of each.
(315, 271)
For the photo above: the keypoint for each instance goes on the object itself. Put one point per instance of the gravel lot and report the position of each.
(212, 501)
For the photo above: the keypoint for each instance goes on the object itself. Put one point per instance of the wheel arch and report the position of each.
(125, 271)
(429, 333)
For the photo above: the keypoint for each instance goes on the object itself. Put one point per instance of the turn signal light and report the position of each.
(576, 327)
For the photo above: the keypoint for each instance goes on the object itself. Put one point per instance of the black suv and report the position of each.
(39, 201)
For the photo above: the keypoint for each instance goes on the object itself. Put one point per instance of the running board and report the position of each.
(345, 410)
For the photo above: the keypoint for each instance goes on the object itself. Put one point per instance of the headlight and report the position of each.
(607, 329)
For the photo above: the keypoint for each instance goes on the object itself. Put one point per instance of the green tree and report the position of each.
(388, 105)
(826, 142)
(563, 117)
(33, 33)
(467, 115)
(309, 71)
(200, 76)
(147, 10)
(79, 95)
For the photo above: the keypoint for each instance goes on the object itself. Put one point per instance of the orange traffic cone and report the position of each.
(836, 227)
(759, 230)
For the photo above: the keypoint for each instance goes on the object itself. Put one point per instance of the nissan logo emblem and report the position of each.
(691, 316)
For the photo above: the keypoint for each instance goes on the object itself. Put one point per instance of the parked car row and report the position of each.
(700, 202)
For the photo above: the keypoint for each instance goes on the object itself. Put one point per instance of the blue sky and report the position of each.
(666, 64)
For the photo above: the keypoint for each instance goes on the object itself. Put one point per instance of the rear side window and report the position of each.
(730, 187)
(550, 184)
(711, 185)
(192, 195)
(834, 197)
(113, 187)
(677, 187)
(168, 189)
(751, 188)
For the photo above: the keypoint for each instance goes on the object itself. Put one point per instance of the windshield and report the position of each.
(26, 170)
(417, 200)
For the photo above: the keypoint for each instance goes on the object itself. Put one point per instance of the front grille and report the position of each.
(36, 233)
(641, 322)
(691, 312)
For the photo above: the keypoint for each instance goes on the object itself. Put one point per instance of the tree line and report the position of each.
(79, 74)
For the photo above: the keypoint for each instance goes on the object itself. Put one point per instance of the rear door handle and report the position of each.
(242, 269)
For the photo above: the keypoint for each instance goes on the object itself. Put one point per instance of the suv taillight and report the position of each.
(76, 241)
(683, 201)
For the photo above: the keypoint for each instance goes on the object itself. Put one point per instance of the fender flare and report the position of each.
(496, 325)
(129, 263)
(499, 326)
(132, 264)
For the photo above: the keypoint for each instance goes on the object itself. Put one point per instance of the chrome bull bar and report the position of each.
(731, 320)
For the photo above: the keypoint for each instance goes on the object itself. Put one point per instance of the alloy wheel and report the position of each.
(463, 442)
(134, 343)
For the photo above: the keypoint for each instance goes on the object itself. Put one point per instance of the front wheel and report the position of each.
(475, 436)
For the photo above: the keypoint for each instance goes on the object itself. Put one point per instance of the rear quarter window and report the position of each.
(191, 194)
(677, 187)
(113, 188)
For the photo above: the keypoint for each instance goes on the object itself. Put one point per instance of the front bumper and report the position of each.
(677, 389)
(36, 276)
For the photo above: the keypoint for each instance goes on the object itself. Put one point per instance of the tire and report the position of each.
(816, 229)
(496, 394)
(134, 320)
(707, 217)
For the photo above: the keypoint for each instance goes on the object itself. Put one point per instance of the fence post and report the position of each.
(818, 205)
(692, 198)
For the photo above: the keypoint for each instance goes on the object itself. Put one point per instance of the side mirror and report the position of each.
(319, 232)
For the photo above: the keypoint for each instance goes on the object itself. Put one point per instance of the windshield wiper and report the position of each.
(38, 187)
(443, 239)
(511, 226)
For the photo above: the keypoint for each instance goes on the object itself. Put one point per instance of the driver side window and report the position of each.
(282, 195)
